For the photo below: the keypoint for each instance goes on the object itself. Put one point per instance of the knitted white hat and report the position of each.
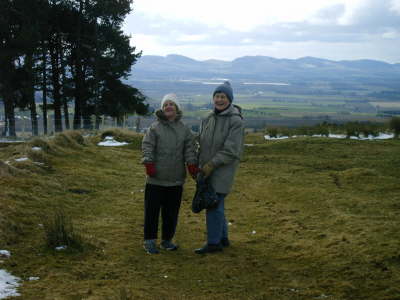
(171, 97)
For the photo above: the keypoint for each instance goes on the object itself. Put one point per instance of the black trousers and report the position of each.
(166, 199)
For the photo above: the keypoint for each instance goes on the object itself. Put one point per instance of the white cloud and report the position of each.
(142, 42)
(351, 8)
(235, 15)
(391, 34)
(395, 6)
(192, 37)
(247, 41)
(333, 29)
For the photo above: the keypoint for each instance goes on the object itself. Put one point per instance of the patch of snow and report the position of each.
(266, 83)
(267, 137)
(253, 232)
(381, 136)
(249, 145)
(5, 253)
(337, 136)
(60, 248)
(36, 148)
(211, 83)
(8, 285)
(33, 278)
(110, 142)
(22, 159)
(323, 296)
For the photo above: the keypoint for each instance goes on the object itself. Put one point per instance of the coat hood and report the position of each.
(161, 116)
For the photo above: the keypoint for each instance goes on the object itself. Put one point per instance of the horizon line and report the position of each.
(259, 55)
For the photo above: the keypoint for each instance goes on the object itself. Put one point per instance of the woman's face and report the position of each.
(169, 109)
(221, 101)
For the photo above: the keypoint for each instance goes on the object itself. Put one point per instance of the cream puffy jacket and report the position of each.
(169, 145)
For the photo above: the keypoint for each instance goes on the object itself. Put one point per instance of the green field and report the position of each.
(263, 108)
(288, 108)
(310, 218)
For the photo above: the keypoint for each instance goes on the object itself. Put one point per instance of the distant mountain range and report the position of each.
(261, 67)
(304, 75)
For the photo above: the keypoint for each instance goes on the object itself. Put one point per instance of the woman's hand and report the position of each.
(150, 169)
(193, 170)
(207, 169)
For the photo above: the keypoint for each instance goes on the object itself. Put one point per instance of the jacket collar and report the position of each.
(161, 116)
(230, 111)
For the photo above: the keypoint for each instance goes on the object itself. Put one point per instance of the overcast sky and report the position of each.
(227, 29)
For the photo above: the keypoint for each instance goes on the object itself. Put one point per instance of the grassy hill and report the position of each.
(310, 218)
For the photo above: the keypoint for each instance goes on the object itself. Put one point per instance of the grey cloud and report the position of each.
(369, 22)
(139, 23)
(331, 13)
(374, 13)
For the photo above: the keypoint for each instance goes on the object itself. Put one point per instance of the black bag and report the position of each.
(205, 196)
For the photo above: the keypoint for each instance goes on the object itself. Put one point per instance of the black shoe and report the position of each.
(168, 245)
(225, 242)
(150, 247)
(209, 248)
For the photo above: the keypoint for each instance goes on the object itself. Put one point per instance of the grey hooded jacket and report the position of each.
(221, 141)
(169, 145)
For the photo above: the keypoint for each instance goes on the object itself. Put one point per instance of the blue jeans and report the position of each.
(217, 227)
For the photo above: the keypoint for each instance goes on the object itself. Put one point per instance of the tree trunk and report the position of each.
(44, 87)
(98, 122)
(86, 109)
(10, 115)
(66, 114)
(137, 123)
(31, 93)
(56, 88)
(5, 129)
(97, 78)
(78, 76)
(78, 93)
(64, 98)
(87, 121)
(78, 111)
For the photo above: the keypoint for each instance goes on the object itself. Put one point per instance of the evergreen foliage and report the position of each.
(71, 51)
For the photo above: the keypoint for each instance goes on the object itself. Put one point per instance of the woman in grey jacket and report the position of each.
(221, 143)
(166, 147)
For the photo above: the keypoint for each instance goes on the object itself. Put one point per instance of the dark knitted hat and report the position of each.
(226, 89)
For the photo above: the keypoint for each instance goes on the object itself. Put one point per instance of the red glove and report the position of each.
(150, 169)
(193, 170)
